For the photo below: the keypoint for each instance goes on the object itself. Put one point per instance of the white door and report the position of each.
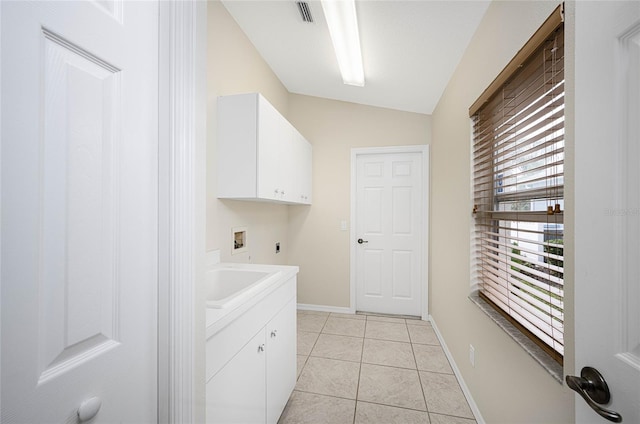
(607, 201)
(79, 210)
(388, 237)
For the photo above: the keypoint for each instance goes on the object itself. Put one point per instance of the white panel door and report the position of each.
(607, 201)
(79, 210)
(388, 229)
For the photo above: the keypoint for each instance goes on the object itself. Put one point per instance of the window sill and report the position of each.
(539, 355)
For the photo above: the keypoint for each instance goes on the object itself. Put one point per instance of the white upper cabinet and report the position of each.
(261, 156)
(302, 158)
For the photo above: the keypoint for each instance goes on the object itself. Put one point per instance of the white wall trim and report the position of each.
(1, 379)
(323, 308)
(212, 258)
(426, 167)
(180, 218)
(456, 371)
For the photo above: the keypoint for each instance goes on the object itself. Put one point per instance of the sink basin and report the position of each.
(227, 287)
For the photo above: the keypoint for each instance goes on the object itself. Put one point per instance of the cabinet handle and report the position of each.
(261, 348)
(276, 191)
(274, 333)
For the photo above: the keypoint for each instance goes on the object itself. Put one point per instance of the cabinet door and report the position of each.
(269, 147)
(236, 394)
(301, 165)
(296, 166)
(305, 159)
(281, 360)
(285, 162)
(237, 148)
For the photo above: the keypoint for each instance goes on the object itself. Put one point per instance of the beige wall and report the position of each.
(333, 128)
(234, 66)
(311, 236)
(507, 385)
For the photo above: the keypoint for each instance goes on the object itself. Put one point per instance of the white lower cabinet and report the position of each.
(255, 384)
(237, 393)
(281, 353)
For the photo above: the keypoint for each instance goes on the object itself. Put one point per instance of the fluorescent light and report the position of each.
(343, 27)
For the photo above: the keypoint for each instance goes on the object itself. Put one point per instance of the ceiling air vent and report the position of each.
(305, 11)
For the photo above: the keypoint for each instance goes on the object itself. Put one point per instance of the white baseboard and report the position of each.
(456, 371)
(323, 308)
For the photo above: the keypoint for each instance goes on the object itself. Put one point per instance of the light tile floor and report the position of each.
(367, 369)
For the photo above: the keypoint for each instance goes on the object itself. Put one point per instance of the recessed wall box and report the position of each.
(239, 240)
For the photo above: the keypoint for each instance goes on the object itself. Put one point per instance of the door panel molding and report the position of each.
(627, 227)
(79, 217)
(424, 236)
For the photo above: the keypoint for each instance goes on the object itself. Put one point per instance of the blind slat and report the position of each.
(533, 261)
(518, 159)
(556, 341)
(522, 216)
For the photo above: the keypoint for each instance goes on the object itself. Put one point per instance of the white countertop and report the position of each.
(216, 319)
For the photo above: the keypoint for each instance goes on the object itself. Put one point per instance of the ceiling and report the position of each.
(410, 48)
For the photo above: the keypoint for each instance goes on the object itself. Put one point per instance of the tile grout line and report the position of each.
(312, 347)
(383, 404)
(361, 362)
(318, 338)
(325, 395)
(402, 407)
(355, 405)
(426, 406)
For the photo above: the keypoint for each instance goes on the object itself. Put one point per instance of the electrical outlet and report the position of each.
(472, 356)
(278, 247)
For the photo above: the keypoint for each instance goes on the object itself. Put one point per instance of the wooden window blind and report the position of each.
(518, 189)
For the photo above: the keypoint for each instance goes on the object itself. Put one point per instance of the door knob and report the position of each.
(89, 409)
(360, 241)
(594, 390)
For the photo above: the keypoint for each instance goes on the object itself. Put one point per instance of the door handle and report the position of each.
(360, 241)
(594, 390)
(89, 409)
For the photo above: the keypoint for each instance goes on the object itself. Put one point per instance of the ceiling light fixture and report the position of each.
(343, 28)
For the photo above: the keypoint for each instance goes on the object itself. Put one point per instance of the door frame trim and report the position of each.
(423, 149)
(182, 34)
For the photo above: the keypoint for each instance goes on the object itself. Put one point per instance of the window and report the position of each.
(518, 188)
